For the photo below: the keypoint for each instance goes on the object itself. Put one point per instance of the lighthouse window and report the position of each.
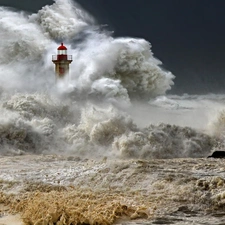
(62, 52)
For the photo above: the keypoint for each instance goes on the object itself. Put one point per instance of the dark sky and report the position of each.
(188, 36)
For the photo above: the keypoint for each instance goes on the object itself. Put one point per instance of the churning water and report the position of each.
(107, 144)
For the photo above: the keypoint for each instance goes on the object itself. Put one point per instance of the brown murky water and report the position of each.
(174, 191)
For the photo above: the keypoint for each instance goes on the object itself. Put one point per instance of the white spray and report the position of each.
(104, 69)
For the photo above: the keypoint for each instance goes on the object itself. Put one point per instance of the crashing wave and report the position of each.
(164, 141)
(112, 71)
(105, 68)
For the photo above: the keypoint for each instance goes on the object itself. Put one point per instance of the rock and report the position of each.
(217, 154)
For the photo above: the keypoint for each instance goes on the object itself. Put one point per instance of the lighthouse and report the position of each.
(62, 62)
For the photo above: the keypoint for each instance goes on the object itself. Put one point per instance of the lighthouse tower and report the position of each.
(62, 62)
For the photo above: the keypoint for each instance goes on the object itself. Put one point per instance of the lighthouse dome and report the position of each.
(62, 47)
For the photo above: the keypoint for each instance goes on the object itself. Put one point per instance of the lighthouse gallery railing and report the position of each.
(65, 57)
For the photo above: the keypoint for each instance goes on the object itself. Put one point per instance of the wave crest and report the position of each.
(62, 20)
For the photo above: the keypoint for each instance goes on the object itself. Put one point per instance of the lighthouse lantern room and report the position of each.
(61, 61)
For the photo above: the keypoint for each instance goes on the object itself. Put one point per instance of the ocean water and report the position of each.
(107, 144)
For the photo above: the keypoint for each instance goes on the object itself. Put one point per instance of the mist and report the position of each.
(112, 102)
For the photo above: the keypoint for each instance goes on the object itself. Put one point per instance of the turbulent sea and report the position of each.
(106, 145)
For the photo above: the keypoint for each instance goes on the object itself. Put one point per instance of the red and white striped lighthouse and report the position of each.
(61, 61)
